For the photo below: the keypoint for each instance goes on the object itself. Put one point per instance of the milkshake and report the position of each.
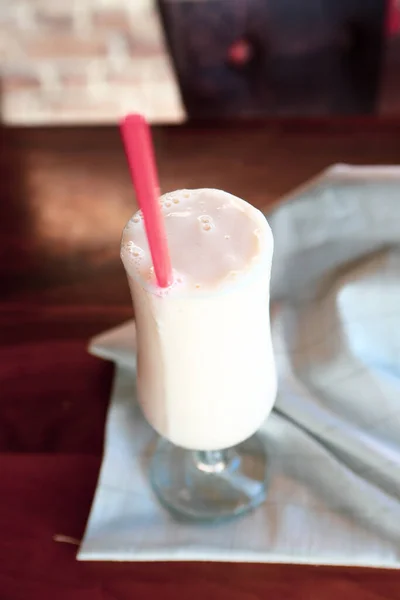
(205, 368)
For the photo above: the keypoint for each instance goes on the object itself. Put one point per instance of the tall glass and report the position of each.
(205, 370)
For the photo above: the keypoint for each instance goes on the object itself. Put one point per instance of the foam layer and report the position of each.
(214, 238)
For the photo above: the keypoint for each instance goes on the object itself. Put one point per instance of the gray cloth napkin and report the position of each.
(334, 435)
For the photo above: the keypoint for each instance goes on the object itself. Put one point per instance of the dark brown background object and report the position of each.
(315, 57)
(65, 195)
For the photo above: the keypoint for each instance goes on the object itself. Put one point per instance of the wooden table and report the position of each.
(65, 195)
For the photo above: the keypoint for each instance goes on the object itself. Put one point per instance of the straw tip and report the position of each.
(132, 119)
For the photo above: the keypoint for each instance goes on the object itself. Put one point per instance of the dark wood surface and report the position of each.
(65, 196)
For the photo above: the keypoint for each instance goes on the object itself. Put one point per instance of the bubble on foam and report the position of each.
(197, 286)
(152, 285)
(206, 221)
(177, 278)
(167, 204)
(136, 218)
(175, 200)
(161, 292)
(257, 232)
(227, 237)
(186, 195)
(150, 275)
(134, 250)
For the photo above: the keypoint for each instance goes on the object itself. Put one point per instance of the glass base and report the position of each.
(212, 485)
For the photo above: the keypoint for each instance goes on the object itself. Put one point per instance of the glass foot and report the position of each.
(211, 485)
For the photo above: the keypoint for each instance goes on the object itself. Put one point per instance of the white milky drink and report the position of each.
(205, 368)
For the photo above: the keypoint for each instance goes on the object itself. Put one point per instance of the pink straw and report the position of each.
(139, 151)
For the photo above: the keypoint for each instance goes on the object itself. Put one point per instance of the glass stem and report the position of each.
(211, 461)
